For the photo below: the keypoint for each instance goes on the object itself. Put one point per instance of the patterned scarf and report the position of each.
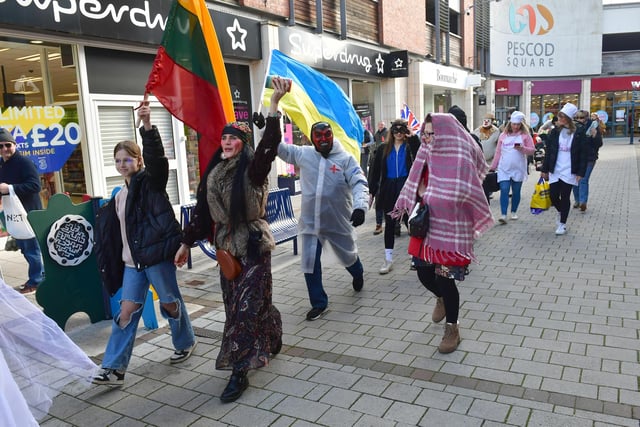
(458, 208)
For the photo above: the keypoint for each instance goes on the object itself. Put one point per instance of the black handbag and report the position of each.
(490, 183)
(419, 221)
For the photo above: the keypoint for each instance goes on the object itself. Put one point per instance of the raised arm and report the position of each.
(268, 147)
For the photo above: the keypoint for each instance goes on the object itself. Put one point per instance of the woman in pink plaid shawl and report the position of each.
(447, 175)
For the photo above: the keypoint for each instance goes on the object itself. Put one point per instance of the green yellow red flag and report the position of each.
(188, 75)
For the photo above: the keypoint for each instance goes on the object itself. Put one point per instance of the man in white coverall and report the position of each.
(335, 197)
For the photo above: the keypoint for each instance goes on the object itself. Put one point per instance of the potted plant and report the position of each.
(288, 181)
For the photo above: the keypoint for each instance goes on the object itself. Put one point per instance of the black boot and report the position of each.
(238, 383)
(276, 346)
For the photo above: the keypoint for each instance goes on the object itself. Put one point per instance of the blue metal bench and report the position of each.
(279, 214)
(185, 217)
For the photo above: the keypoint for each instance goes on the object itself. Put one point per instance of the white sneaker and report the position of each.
(386, 267)
(514, 216)
(562, 229)
(503, 219)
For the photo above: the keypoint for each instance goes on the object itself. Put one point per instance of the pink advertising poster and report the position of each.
(288, 139)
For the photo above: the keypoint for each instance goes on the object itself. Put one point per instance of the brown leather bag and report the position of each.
(229, 265)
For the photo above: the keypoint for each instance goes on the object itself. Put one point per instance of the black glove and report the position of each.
(258, 120)
(357, 217)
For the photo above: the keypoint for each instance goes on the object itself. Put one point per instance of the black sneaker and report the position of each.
(314, 313)
(109, 377)
(358, 283)
(180, 356)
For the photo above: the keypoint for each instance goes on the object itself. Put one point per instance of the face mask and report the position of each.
(322, 138)
(402, 130)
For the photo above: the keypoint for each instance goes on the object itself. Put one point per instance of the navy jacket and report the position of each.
(593, 143)
(20, 172)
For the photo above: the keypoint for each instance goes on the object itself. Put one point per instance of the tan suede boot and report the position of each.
(451, 338)
(439, 311)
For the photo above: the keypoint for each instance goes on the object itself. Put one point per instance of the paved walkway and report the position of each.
(550, 329)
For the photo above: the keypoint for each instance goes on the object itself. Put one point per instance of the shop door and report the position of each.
(116, 122)
(621, 124)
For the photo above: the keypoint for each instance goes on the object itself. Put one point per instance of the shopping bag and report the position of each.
(15, 217)
(541, 199)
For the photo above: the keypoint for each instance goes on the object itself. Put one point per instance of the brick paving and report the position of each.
(550, 334)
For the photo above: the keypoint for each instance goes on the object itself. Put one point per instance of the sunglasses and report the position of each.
(6, 145)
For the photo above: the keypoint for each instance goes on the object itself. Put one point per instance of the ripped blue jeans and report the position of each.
(135, 285)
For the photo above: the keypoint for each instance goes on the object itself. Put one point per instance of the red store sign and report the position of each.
(610, 84)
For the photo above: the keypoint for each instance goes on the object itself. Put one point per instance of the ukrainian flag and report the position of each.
(313, 98)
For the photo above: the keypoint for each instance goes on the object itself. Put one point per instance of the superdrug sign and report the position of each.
(131, 20)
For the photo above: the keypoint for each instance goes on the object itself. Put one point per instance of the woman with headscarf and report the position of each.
(510, 161)
(230, 210)
(447, 176)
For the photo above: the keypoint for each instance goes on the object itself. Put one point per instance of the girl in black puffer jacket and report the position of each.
(137, 237)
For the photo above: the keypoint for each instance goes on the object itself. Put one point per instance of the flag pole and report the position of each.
(264, 84)
(145, 101)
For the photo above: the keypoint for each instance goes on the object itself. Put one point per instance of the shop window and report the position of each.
(35, 75)
(454, 22)
(73, 174)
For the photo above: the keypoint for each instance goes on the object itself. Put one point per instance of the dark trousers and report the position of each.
(560, 193)
(390, 230)
(441, 287)
(379, 216)
(317, 296)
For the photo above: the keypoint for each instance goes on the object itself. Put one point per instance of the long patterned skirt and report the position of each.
(253, 325)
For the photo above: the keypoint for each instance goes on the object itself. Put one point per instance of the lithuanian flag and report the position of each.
(188, 75)
(314, 97)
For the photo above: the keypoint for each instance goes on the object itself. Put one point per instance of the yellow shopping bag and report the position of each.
(541, 199)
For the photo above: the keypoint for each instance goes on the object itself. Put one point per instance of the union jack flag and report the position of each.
(407, 114)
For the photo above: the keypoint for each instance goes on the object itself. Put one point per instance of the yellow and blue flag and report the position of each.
(313, 98)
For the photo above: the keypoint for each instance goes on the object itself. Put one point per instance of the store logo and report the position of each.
(446, 78)
(635, 85)
(237, 34)
(310, 49)
(540, 22)
(91, 9)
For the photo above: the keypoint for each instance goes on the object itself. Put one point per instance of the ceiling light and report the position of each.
(36, 42)
(28, 57)
(4, 49)
(36, 57)
(24, 79)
